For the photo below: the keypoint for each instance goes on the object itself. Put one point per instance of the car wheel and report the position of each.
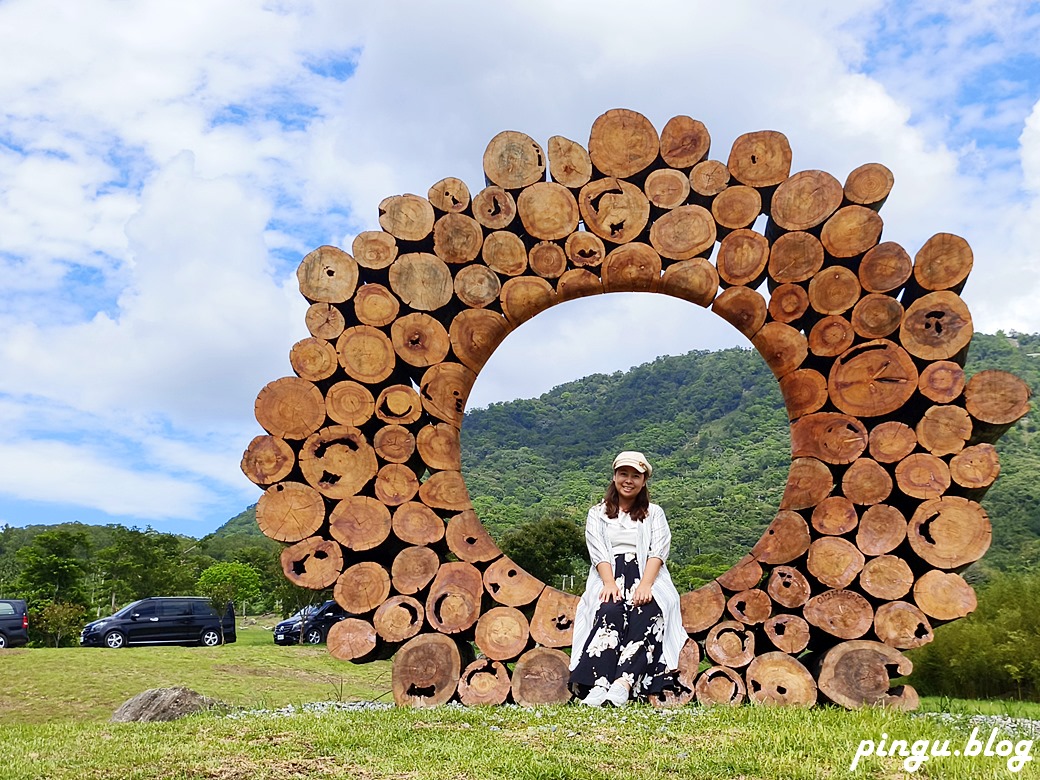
(313, 636)
(210, 638)
(115, 639)
(3, 641)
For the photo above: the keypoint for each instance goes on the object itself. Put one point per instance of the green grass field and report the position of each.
(55, 706)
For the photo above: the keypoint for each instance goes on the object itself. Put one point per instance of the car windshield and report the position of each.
(125, 611)
(302, 613)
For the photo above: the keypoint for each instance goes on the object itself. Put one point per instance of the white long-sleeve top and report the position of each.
(653, 540)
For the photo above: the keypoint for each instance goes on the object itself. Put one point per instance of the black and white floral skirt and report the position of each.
(625, 641)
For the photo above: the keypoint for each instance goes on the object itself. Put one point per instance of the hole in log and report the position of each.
(617, 227)
(741, 606)
(437, 607)
(422, 691)
(754, 159)
(595, 200)
(323, 448)
(511, 573)
(328, 479)
(893, 671)
(756, 686)
(933, 321)
(321, 555)
(779, 629)
(922, 631)
(781, 690)
(562, 622)
(330, 272)
(300, 567)
(494, 587)
(587, 254)
(471, 540)
(496, 207)
(925, 529)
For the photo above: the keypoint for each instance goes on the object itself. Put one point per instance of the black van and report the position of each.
(310, 625)
(14, 623)
(162, 620)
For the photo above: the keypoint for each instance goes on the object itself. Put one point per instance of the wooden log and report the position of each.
(552, 624)
(440, 446)
(325, 320)
(885, 268)
(623, 143)
(525, 296)
(876, 316)
(708, 179)
(942, 381)
(974, 469)
(290, 408)
(445, 490)
(349, 403)
(547, 259)
(375, 305)
(510, 585)
(943, 263)
(540, 677)
(395, 484)
(786, 538)
(416, 523)
(788, 587)
(327, 275)
(795, 257)
(886, 577)
(841, 613)
(995, 400)
(419, 339)
(805, 200)
(694, 280)
(513, 160)
(494, 208)
(397, 405)
(450, 195)
(614, 209)
(584, 249)
(937, 326)
(362, 587)
(502, 633)
(804, 391)
(366, 354)
(374, 249)
(809, 481)
(730, 644)
(426, 671)
(869, 185)
(944, 430)
(469, 540)
(313, 359)
(453, 604)
(290, 511)
(667, 188)
(851, 231)
(684, 142)
(778, 678)
(742, 575)
(831, 336)
(475, 334)
(736, 208)
(399, 618)
(632, 267)
(881, 530)
(720, 685)
(406, 217)
(682, 233)
(944, 595)
(338, 461)
(787, 633)
(548, 211)
(872, 379)
(702, 608)
(268, 459)
(683, 692)
(578, 283)
(834, 290)
(950, 532)
(782, 347)
(313, 563)
(829, 436)
(742, 308)
(569, 163)
(444, 389)
(866, 482)
(457, 238)
(835, 516)
(834, 561)
(750, 607)
(891, 441)
(902, 625)
(422, 281)
(486, 682)
(359, 522)
(788, 302)
(413, 569)
(742, 257)
(760, 159)
(477, 286)
(856, 674)
(351, 640)
(922, 475)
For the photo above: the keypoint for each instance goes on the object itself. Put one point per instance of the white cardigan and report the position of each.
(654, 540)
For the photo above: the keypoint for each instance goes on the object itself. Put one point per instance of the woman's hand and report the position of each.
(610, 592)
(642, 594)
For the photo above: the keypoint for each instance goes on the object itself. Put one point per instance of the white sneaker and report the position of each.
(596, 697)
(617, 694)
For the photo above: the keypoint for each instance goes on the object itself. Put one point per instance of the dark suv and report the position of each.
(173, 620)
(310, 623)
(14, 623)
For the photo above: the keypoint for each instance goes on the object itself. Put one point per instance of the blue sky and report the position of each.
(164, 167)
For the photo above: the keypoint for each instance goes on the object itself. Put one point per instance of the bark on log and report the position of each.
(313, 359)
(614, 209)
(374, 249)
(485, 682)
(805, 200)
(995, 400)
(944, 430)
(702, 608)
(937, 327)
(540, 677)
(445, 490)
(633, 267)
(841, 613)
(869, 185)
(444, 389)
(866, 482)
(750, 607)
(974, 469)
(851, 231)
(313, 563)
(720, 685)
(366, 354)
(708, 179)
(760, 159)
(325, 321)
(902, 625)
(667, 188)
(547, 259)
(694, 280)
(395, 484)
(942, 381)
(831, 336)
(795, 257)
(892, 441)
(584, 249)
(881, 530)
(788, 587)
(782, 347)
(513, 160)
(742, 257)
(877, 316)
(834, 561)
(804, 391)
(337, 461)
(944, 595)
(730, 644)
(887, 577)
(416, 523)
(623, 143)
(829, 436)
(788, 302)
(440, 446)
(788, 633)
(950, 532)
(349, 403)
(406, 217)
(835, 516)
(362, 587)
(872, 379)
(943, 263)
(359, 522)
(922, 475)
(502, 633)
(510, 585)
(426, 671)
(856, 674)
(744, 309)
(684, 142)
(834, 290)
(422, 281)
(450, 195)
(494, 208)
(419, 339)
(745, 573)
(457, 238)
(469, 540)
(397, 405)
(290, 408)
(569, 163)
(413, 569)
(548, 211)
(525, 296)
(374, 305)
(552, 624)
(453, 604)
(351, 640)
(267, 460)
(736, 208)
(778, 678)
(809, 481)
(885, 268)
(475, 334)
(399, 618)
(682, 233)
(786, 538)
(327, 275)
(290, 511)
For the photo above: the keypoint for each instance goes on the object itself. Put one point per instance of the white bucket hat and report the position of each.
(634, 459)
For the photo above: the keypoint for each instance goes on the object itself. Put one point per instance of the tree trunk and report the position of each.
(327, 275)
(869, 185)
(510, 585)
(742, 308)
(375, 305)
(440, 446)
(944, 595)
(477, 286)
(524, 297)
(614, 209)
(291, 408)
(702, 608)
(805, 200)
(885, 268)
(887, 577)
(449, 195)
(419, 339)
(788, 587)
(633, 267)
(850, 232)
(374, 249)
(313, 359)
(684, 232)
(730, 644)
(349, 403)
(584, 249)
(406, 217)
(881, 530)
(943, 263)
(795, 257)
(578, 283)
(548, 260)
(457, 238)
(502, 633)
(398, 405)
(804, 391)
(831, 336)
(778, 678)
(742, 257)
(877, 316)
(745, 573)
(453, 604)
(394, 443)
(854, 674)
(902, 625)
(417, 524)
(694, 280)
(267, 460)
(468, 538)
(413, 569)
(736, 208)
(788, 633)
(552, 624)
(788, 302)
(325, 321)
(760, 159)
(359, 523)
(513, 160)
(782, 347)
(942, 381)
(684, 142)
(950, 532)
(422, 281)
(809, 481)
(337, 461)
(974, 469)
(494, 208)
(786, 538)
(720, 685)
(937, 327)
(569, 163)
(395, 484)
(708, 179)
(362, 587)
(835, 516)
(426, 671)
(540, 677)
(922, 475)
(995, 400)
(485, 682)
(872, 379)
(667, 188)
(834, 290)
(866, 482)
(829, 436)
(475, 334)
(750, 607)
(313, 563)
(351, 640)
(623, 143)
(444, 389)
(290, 511)
(943, 430)
(366, 354)
(548, 211)
(892, 441)
(834, 561)
(841, 613)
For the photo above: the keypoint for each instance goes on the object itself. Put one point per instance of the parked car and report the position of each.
(310, 623)
(14, 623)
(163, 620)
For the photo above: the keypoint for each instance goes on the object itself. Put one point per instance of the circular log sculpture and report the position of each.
(891, 442)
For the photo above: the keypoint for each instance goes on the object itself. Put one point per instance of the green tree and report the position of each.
(548, 548)
(58, 621)
(230, 581)
(53, 567)
(138, 564)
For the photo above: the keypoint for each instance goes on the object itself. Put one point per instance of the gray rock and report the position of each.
(159, 704)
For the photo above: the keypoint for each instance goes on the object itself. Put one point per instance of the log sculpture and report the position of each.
(892, 445)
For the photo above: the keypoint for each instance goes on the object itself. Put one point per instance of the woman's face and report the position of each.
(628, 482)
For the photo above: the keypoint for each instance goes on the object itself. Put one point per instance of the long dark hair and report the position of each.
(640, 506)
